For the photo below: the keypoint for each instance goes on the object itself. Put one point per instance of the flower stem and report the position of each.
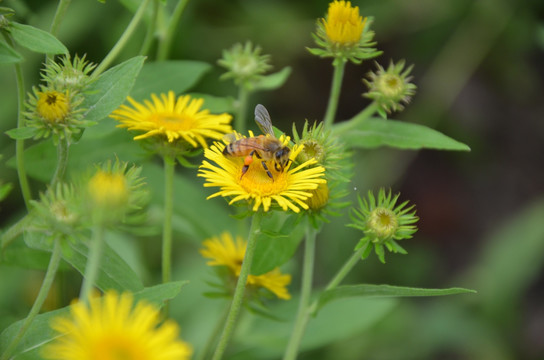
(335, 92)
(15, 230)
(59, 16)
(354, 122)
(62, 161)
(169, 164)
(20, 143)
(238, 297)
(93, 261)
(166, 43)
(151, 29)
(305, 292)
(122, 40)
(240, 120)
(293, 346)
(40, 299)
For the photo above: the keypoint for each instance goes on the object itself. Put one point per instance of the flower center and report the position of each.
(391, 85)
(257, 182)
(383, 223)
(119, 347)
(174, 122)
(52, 106)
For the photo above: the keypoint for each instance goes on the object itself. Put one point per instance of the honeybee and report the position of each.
(265, 147)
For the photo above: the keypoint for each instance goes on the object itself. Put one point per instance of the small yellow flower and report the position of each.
(173, 119)
(112, 329)
(344, 25)
(108, 190)
(224, 251)
(289, 189)
(53, 106)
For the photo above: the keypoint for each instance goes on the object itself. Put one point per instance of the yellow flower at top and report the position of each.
(172, 119)
(289, 189)
(224, 251)
(344, 25)
(110, 328)
(53, 106)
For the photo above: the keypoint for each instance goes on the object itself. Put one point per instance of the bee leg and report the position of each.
(267, 171)
(247, 161)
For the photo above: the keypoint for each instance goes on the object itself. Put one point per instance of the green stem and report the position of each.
(335, 92)
(310, 310)
(238, 297)
(169, 164)
(305, 292)
(40, 299)
(62, 161)
(215, 334)
(20, 143)
(352, 124)
(59, 16)
(151, 29)
(166, 43)
(240, 120)
(15, 230)
(93, 261)
(129, 31)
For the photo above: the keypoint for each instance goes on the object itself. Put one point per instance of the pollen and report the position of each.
(53, 106)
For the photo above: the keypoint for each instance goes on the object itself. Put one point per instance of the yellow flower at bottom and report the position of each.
(224, 251)
(111, 329)
(344, 25)
(289, 188)
(173, 118)
(53, 106)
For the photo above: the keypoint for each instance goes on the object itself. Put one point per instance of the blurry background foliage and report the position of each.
(480, 77)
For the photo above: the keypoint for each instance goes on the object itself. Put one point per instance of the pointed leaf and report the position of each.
(40, 333)
(160, 77)
(370, 291)
(111, 89)
(373, 133)
(280, 237)
(8, 55)
(36, 39)
(21, 133)
(273, 81)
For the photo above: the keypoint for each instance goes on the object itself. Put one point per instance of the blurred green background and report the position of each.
(479, 68)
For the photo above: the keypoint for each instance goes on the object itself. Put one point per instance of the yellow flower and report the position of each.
(224, 251)
(111, 329)
(108, 189)
(289, 188)
(344, 25)
(173, 119)
(53, 106)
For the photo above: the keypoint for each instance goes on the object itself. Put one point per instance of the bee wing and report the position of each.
(229, 138)
(262, 118)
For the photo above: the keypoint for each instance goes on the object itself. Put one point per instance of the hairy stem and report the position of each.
(93, 261)
(335, 93)
(166, 43)
(40, 299)
(169, 167)
(238, 297)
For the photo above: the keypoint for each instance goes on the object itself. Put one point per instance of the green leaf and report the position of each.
(372, 291)
(37, 40)
(111, 89)
(373, 133)
(40, 333)
(21, 133)
(280, 237)
(8, 55)
(273, 81)
(163, 76)
(5, 189)
(114, 272)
